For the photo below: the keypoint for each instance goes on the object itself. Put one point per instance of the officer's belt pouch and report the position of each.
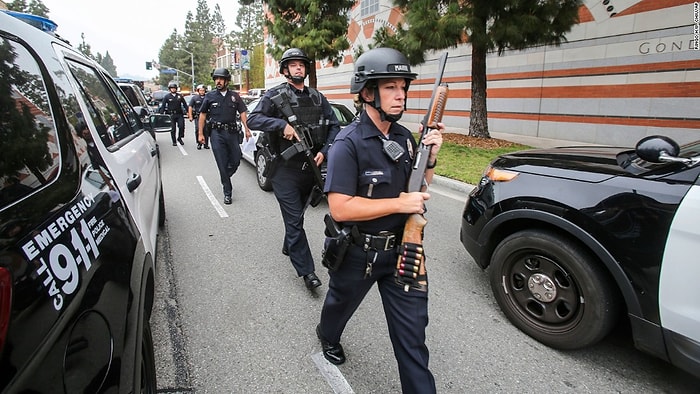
(241, 136)
(319, 134)
(336, 244)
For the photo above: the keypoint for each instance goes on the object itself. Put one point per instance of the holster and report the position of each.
(271, 159)
(338, 239)
(316, 196)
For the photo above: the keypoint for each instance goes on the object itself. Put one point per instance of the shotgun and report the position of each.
(410, 267)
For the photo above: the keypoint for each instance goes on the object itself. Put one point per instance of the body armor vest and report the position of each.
(309, 112)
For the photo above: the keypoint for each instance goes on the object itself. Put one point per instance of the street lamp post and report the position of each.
(191, 63)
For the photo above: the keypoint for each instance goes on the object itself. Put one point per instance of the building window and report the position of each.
(368, 7)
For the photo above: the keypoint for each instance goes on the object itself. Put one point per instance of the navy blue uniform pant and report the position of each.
(196, 132)
(292, 187)
(179, 122)
(227, 153)
(406, 312)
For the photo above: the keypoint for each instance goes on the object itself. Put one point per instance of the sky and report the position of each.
(131, 30)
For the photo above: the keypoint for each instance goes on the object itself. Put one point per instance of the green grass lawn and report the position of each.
(467, 164)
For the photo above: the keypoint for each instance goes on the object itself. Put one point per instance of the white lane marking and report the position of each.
(332, 374)
(182, 149)
(211, 197)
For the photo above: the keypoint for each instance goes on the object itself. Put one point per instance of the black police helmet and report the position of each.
(221, 72)
(294, 54)
(172, 85)
(380, 63)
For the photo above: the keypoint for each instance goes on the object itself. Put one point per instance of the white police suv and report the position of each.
(80, 206)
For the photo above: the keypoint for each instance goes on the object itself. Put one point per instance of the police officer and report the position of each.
(218, 112)
(366, 188)
(174, 105)
(193, 114)
(293, 179)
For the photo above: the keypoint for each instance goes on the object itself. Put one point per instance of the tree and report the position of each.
(35, 7)
(317, 27)
(250, 20)
(108, 64)
(485, 24)
(84, 47)
(18, 119)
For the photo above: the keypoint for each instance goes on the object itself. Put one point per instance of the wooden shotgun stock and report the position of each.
(413, 229)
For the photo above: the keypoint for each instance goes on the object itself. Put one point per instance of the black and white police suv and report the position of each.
(576, 237)
(80, 206)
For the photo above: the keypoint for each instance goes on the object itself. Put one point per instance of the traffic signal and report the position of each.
(149, 65)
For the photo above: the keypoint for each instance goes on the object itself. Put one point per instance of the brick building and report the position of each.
(629, 69)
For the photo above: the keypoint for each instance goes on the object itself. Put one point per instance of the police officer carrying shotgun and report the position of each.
(293, 179)
(218, 112)
(368, 168)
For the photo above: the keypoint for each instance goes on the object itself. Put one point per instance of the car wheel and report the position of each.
(148, 362)
(161, 209)
(263, 181)
(553, 289)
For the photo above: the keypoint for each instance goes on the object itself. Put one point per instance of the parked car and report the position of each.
(253, 94)
(157, 97)
(81, 202)
(342, 112)
(140, 103)
(574, 238)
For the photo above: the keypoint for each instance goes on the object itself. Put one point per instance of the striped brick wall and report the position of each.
(626, 72)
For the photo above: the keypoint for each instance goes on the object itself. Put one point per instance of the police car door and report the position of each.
(679, 293)
(127, 148)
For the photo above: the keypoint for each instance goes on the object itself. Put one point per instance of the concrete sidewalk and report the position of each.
(537, 142)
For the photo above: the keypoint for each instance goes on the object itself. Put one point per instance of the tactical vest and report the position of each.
(309, 111)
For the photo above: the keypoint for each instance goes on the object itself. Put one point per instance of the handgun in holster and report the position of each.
(338, 238)
(271, 160)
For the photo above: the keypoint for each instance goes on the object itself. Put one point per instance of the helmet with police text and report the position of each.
(172, 84)
(294, 54)
(380, 63)
(221, 72)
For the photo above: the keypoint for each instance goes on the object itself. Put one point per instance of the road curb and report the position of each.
(452, 184)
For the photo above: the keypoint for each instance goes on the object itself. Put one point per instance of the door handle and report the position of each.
(133, 182)
(154, 151)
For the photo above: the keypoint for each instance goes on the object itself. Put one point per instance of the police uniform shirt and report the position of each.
(357, 166)
(196, 103)
(173, 103)
(222, 107)
(273, 120)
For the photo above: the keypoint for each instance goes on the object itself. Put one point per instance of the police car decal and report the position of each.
(61, 245)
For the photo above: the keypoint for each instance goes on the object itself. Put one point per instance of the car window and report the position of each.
(344, 115)
(111, 113)
(28, 140)
(131, 95)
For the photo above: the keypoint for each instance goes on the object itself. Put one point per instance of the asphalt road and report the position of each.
(232, 317)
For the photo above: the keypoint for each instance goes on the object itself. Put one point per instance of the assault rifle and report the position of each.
(410, 267)
(304, 144)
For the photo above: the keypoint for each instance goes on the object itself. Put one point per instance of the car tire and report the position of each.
(530, 266)
(260, 164)
(148, 382)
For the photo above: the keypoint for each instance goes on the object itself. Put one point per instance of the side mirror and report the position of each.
(160, 122)
(141, 111)
(656, 147)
